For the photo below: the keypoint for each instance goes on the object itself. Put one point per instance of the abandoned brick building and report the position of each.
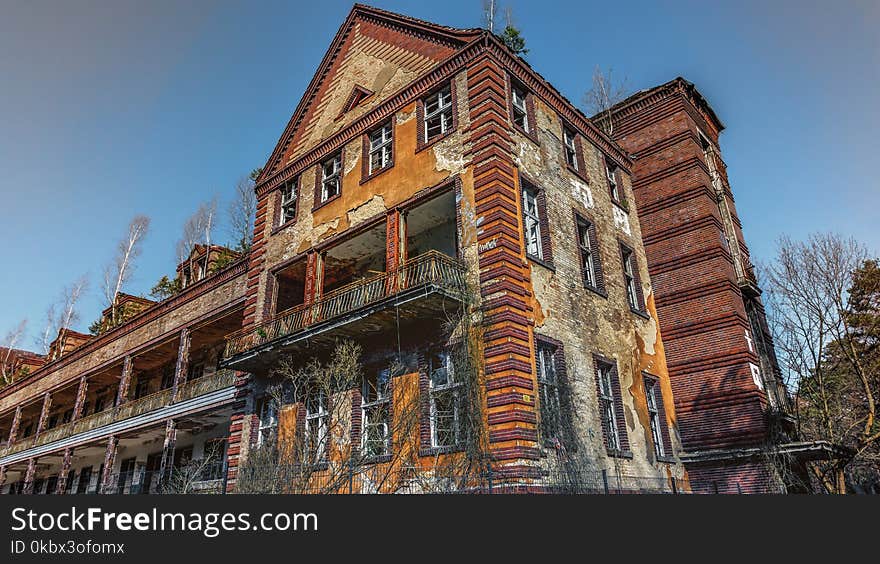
(431, 194)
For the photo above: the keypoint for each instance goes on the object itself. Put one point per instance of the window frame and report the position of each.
(386, 148)
(369, 404)
(538, 220)
(288, 197)
(610, 403)
(453, 387)
(422, 140)
(615, 185)
(660, 435)
(545, 356)
(321, 180)
(321, 418)
(267, 420)
(632, 280)
(597, 284)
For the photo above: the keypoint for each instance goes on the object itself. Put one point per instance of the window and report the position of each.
(142, 387)
(438, 114)
(631, 279)
(268, 415)
(611, 175)
(549, 393)
(657, 416)
(569, 142)
(196, 371)
(100, 402)
(288, 201)
(316, 427)
(532, 222)
(167, 376)
(446, 402)
(381, 142)
(606, 375)
(68, 485)
(588, 245)
(85, 476)
(331, 178)
(52, 422)
(519, 106)
(376, 413)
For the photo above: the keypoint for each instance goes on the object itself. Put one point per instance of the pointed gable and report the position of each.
(375, 53)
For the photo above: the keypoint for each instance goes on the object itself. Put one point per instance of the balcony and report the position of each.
(127, 411)
(417, 289)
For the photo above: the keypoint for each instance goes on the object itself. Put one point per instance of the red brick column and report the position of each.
(182, 365)
(124, 382)
(44, 414)
(29, 476)
(504, 274)
(16, 423)
(64, 473)
(109, 459)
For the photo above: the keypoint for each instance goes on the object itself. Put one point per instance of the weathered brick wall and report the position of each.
(588, 323)
(700, 305)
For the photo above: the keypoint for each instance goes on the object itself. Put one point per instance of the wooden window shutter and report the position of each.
(618, 409)
(546, 247)
(597, 257)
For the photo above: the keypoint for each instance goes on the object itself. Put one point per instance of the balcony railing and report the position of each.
(200, 386)
(431, 268)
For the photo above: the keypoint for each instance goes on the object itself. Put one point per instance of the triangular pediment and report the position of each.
(374, 54)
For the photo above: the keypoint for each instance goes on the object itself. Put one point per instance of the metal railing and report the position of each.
(431, 268)
(198, 387)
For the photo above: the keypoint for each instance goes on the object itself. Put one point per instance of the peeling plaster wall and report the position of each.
(585, 321)
(412, 172)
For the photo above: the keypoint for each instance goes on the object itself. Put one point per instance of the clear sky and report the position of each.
(113, 108)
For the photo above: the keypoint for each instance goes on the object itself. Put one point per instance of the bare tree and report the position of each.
(490, 12)
(198, 229)
(7, 349)
(118, 272)
(808, 290)
(242, 214)
(61, 315)
(605, 92)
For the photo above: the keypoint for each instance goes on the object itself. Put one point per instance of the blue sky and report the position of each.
(113, 108)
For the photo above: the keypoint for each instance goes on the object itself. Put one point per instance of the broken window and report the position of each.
(446, 401)
(267, 412)
(606, 376)
(611, 175)
(196, 371)
(549, 393)
(518, 97)
(381, 142)
(85, 477)
(288, 201)
(316, 427)
(570, 146)
(331, 177)
(532, 222)
(376, 413)
(631, 279)
(438, 114)
(655, 404)
(588, 245)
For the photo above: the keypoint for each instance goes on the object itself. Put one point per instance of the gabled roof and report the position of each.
(413, 45)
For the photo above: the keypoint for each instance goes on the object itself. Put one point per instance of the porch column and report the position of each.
(394, 243)
(182, 366)
(44, 414)
(124, 381)
(80, 401)
(29, 476)
(64, 474)
(314, 277)
(168, 450)
(109, 459)
(16, 423)
(3, 475)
